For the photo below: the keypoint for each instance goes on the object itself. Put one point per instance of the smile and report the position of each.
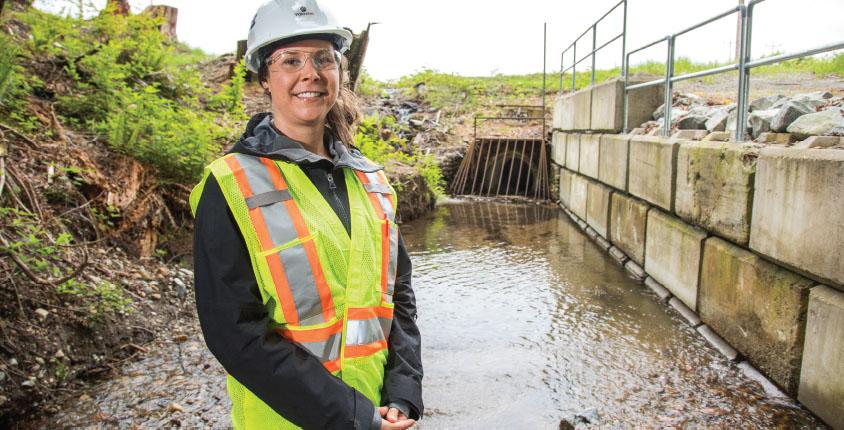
(309, 94)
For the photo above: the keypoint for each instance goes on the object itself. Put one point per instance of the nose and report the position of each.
(309, 71)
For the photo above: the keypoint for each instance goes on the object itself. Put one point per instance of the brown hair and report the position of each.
(343, 117)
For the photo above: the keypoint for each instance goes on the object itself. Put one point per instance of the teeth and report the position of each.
(309, 94)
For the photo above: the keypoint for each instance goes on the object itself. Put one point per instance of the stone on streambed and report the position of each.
(817, 124)
(787, 114)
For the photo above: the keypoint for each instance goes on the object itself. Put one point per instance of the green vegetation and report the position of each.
(469, 94)
(133, 87)
(377, 137)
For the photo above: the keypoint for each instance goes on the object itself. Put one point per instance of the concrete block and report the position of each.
(608, 105)
(757, 306)
(689, 315)
(690, 134)
(652, 170)
(822, 377)
(563, 117)
(558, 148)
(820, 142)
(612, 161)
(590, 148)
(796, 211)
(598, 207)
(565, 187)
(618, 256)
(658, 289)
(720, 344)
(714, 188)
(635, 270)
(591, 233)
(573, 152)
(776, 138)
(628, 220)
(579, 193)
(672, 255)
(770, 389)
(582, 104)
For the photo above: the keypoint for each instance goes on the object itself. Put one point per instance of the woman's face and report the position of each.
(303, 97)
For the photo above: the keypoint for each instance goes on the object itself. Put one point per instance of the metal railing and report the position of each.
(743, 65)
(594, 28)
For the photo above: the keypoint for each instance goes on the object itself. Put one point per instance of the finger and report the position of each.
(401, 416)
(392, 415)
(382, 411)
(400, 425)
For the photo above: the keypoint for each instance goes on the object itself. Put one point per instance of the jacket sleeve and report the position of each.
(403, 372)
(235, 326)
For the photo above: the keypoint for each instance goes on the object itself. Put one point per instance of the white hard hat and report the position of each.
(286, 19)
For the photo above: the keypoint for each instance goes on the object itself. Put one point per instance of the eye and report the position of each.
(293, 61)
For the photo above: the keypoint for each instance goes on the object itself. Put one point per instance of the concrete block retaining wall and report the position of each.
(738, 236)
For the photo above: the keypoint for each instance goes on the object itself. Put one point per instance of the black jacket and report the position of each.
(235, 323)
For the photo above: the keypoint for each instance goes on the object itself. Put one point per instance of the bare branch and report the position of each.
(37, 279)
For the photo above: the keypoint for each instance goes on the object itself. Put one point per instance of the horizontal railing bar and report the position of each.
(754, 2)
(590, 27)
(610, 11)
(791, 56)
(710, 20)
(595, 51)
(702, 73)
(664, 39)
(507, 117)
(646, 84)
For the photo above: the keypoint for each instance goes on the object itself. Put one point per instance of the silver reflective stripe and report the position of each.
(276, 218)
(394, 256)
(386, 207)
(364, 332)
(386, 324)
(297, 267)
(327, 350)
(268, 198)
(377, 188)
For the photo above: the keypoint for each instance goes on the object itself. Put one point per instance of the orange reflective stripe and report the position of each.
(276, 269)
(332, 366)
(365, 350)
(368, 313)
(311, 335)
(379, 211)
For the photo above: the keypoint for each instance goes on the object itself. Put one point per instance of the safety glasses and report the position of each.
(291, 60)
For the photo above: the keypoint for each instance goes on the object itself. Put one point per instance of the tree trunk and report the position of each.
(168, 16)
(239, 55)
(356, 55)
(118, 7)
(2, 3)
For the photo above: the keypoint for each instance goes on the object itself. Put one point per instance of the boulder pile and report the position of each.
(802, 115)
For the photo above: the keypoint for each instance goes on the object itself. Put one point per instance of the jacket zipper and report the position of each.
(333, 187)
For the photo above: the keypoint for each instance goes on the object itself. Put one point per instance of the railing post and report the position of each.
(669, 96)
(624, 58)
(744, 72)
(562, 61)
(625, 130)
(574, 66)
(594, 45)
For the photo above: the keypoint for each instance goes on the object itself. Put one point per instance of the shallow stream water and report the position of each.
(525, 323)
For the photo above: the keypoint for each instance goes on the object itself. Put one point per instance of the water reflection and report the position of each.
(526, 321)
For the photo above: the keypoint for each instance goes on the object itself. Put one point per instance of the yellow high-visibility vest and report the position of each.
(324, 290)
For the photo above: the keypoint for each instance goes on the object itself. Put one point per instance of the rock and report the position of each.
(813, 100)
(13, 362)
(175, 407)
(817, 124)
(819, 142)
(29, 383)
(717, 136)
(760, 121)
(675, 112)
(180, 338)
(690, 134)
(42, 314)
(718, 120)
(59, 354)
(187, 273)
(775, 138)
(179, 282)
(837, 131)
(3, 400)
(84, 398)
(787, 114)
(2, 376)
(155, 296)
(692, 122)
(39, 360)
(765, 103)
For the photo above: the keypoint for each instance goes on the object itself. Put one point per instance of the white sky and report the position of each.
(480, 38)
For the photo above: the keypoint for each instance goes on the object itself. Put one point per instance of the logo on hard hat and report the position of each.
(303, 11)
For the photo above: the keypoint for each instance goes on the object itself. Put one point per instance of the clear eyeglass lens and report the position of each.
(293, 61)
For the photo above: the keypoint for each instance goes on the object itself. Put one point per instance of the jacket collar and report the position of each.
(261, 139)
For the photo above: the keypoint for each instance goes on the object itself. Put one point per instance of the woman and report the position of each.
(302, 280)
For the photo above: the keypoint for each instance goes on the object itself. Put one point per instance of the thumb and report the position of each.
(382, 411)
(392, 415)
